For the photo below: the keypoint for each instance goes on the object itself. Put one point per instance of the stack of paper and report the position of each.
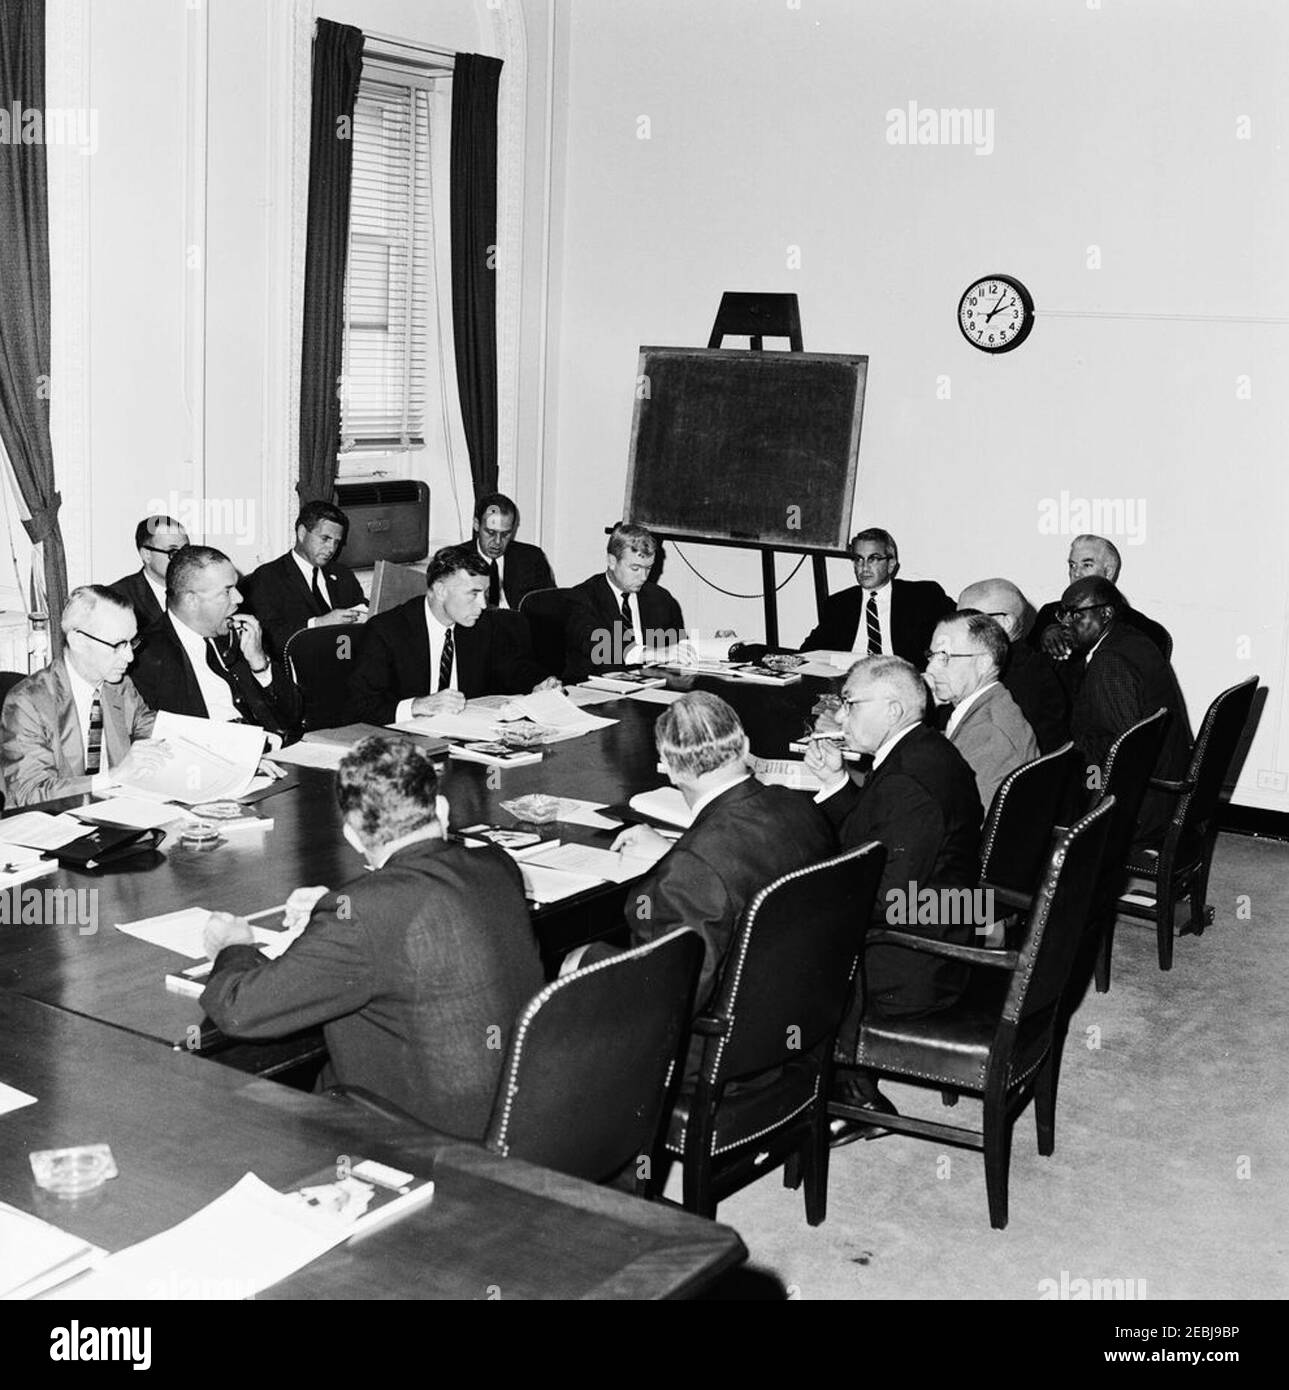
(40, 830)
(210, 761)
(558, 716)
(664, 804)
(184, 932)
(34, 1255)
(606, 865)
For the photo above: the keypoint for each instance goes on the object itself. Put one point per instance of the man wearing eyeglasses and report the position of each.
(964, 670)
(1125, 679)
(882, 615)
(156, 538)
(1028, 674)
(78, 726)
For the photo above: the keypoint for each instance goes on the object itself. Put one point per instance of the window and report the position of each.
(387, 278)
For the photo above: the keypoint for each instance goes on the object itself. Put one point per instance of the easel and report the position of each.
(761, 316)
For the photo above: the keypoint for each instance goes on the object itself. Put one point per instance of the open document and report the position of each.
(209, 761)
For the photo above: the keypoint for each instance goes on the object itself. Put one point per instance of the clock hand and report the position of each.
(996, 307)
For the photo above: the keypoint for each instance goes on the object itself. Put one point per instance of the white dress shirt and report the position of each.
(158, 587)
(708, 797)
(961, 708)
(307, 569)
(879, 758)
(437, 633)
(82, 698)
(214, 691)
(501, 572)
(883, 596)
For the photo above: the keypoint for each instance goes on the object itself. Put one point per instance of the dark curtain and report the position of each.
(474, 256)
(24, 295)
(337, 66)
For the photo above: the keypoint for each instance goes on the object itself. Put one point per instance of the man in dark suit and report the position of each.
(1028, 673)
(921, 802)
(416, 969)
(205, 659)
(882, 615)
(1125, 679)
(743, 836)
(308, 586)
(1090, 557)
(156, 538)
(515, 568)
(621, 618)
(79, 725)
(428, 656)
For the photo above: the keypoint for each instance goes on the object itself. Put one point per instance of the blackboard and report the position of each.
(746, 446)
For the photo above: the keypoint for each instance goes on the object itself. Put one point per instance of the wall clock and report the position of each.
(996, 313)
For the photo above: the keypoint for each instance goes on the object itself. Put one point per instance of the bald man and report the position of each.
(1028, 674)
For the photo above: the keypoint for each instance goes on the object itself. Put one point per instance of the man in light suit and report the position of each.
(743, 836)
(156, 538)
(308, 586)
(78, 726)
(621, 617)
(515, 568)
(964, 669)
(417, 969)
(428, 656)
(882, 615)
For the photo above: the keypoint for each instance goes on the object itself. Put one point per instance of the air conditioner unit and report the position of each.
(387, 521)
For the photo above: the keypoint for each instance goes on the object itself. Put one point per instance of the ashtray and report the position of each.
(782, 661)
(200, 835)
(526, 735)
(73, 1172)
(219, 810)
(535, 808)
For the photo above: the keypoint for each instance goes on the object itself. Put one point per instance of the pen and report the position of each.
(267, 912)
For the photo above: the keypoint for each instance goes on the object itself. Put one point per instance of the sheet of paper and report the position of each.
(209, 760)
(664, 804)
(784, 772)
(183, 932)
(139, 813)
(554, 710)
(25, 874)
(34, 1253)
(575, 812)
(325, 755)
(582, 695)
(656, 695)
(235, 1247)
(11, 1098)
(40, 830)
(823, 669)
(487, 704)
(838, 660)
(454, 726)
(544, 885)
(599, 863)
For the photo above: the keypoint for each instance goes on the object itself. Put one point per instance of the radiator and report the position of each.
(387, 521)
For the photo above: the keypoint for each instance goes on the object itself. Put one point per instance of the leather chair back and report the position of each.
(547, 613)
(592, 1058)
(1128, 770)
(789, 973)
(1018, 831)
(321, 660)
(1219, 736)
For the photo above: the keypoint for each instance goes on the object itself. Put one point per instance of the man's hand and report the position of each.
(300, 905)
(1055, 641)
(550, 683)
(642, 841)
(445, 702)
(342, 615)
(143, 761)
(223, 929)
(823, 758)
(246, 627)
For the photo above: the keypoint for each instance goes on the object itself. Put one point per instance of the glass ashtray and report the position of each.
(535, 808)
(782, 661)
(73, 1172)
(524, 735)
(201, 835)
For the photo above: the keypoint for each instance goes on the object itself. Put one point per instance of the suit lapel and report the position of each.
(116, 737)
(303, 590)
(71, 738)
(191, 695)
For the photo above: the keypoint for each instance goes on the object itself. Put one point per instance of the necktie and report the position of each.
(94, 745)
(628, 629)
(445, 663)
(319, 597)
(494, 585)
(216, 664)
(874, 627)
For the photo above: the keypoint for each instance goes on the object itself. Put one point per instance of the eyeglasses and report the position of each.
(160, 550)
(1065, 611)
(946, 657)
(870, 561)
(132, 643)
(847, 701)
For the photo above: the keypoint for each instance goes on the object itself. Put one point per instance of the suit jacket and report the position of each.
(917, 605)
(1031, 680)
(166, 680)
(527, 568)
(42, 746)
(923, 805)
(594, 625)
(1070, 671)
(410, 970)
(283, 602)
(494, 657)
(995, 738)
(137, 592)
(1127, 679)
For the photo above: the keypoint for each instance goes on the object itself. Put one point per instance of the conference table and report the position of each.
(88, 1026)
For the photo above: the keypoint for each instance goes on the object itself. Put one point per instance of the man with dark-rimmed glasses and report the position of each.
(79, 725)
(156, 538)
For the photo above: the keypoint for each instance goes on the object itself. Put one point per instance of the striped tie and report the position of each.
(874, 627)
(94, 744)
(628, 627)
(445, 662)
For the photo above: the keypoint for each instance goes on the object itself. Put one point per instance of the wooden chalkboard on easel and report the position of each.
(751, 449)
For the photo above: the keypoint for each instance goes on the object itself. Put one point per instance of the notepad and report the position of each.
(545, 885)
(40, 830)
(35, 1255)
(184, 932)
(665, 804)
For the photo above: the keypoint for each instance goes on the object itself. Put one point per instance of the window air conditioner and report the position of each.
(387, 521)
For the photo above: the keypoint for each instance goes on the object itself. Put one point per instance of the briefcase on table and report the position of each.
(106, 845)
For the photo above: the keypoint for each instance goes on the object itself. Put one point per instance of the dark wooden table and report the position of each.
(183, 1131)
(106, 975)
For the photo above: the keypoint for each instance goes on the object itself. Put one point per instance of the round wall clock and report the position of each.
(996, 313)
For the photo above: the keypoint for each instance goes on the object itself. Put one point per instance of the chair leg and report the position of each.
(814, 1155)
(1045, 1105)
(997, 1160)
(1165, 905)
(697, 1196)
(949, 1096)
(792, 1172)
(1105, 949)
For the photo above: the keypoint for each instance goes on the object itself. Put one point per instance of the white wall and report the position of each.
(1114, 127)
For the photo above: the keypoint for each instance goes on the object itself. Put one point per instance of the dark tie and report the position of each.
(628, 628)
(319, 597)
(216, 664)
(874, 627)
(94, 745)
(494, 585)
(445, 663)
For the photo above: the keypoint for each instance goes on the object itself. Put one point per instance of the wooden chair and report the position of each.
(592, 1062)
(1181, 866)
(1004, 1053)
(547, 613)
(761, 1094)
(320, 660)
